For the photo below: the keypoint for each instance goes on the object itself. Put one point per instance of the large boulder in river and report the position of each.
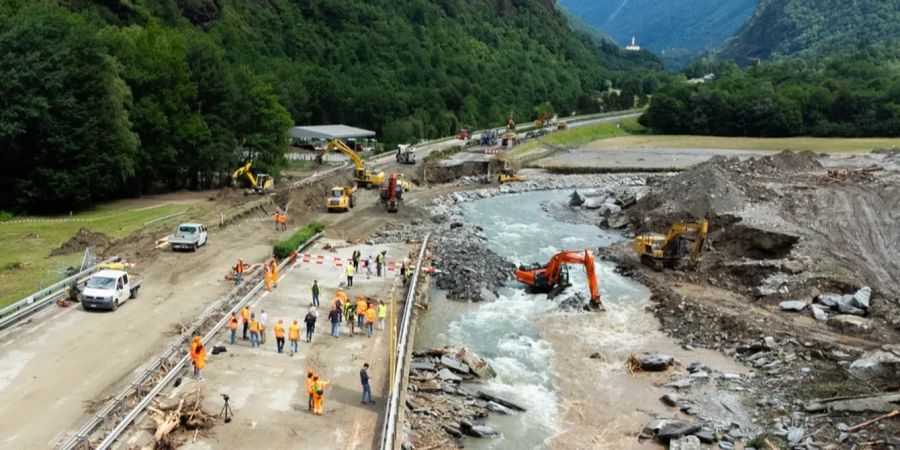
(676, 429)
(592, 203)
(861, 298)
(576, 199)
(655, 362)
(686, 443)
(609, 209)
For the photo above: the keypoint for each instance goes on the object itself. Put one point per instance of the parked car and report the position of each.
(107, 289)
(188, 236)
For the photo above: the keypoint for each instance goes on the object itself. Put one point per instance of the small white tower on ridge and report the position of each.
(633, 47)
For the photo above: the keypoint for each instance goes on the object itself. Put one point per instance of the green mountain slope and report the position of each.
(677, 30)
(188, 88)
(786, 28)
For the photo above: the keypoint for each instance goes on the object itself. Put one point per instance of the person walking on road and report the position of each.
(315, 293)
(369, 262)
(279, 335)
(294, 336)
(350, 271)
(379, 261)
(239, 272)
(335, 317)
(254, 331)
(382, 313)
(319, 395)
(232, 325)
(361, 307)
(350, 315)
(268, 277)
(274, 265)
(310, 325)
(370, 318)
(366, 388)
(245, 317)
(310, 385)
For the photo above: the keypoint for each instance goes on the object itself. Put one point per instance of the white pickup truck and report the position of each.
(107, 289)
(188, 236)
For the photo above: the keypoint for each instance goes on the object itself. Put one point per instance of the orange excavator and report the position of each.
(390, 193)
(554, 276)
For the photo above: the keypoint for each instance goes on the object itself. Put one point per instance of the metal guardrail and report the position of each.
(171, 362)
(392, 409)
(17, 311)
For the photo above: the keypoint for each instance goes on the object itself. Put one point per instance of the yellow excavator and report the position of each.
(666, 250)
(362, 175)
(261, 183)
(341, 199)
(508, 174)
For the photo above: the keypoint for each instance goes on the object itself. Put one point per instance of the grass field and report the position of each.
(26, 264)
(826, 145)
(578, 136)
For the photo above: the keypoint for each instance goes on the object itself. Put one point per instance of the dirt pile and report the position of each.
(720, 189)
(83, 239)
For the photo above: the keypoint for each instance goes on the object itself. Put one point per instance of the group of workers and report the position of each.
(271, 272)
(254, 329)
(363, 313)
(280, 220)
(368, 263)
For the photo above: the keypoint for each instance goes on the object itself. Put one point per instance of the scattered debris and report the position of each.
(83, 239)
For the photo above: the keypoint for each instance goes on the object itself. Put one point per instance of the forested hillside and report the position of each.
(101, 99)
(677, 30)
(854, 93)
(785, 28)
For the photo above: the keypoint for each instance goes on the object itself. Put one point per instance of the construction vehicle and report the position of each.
(391, 192)
(362, 175)
(109, 288)
(666, 250)
(488, 138)
(404, 183)
(188, 236)
(463, 134)
(340, 199)
(508, 139)
(260, 183)
(553, 277)
(509, 176)
(406, 154)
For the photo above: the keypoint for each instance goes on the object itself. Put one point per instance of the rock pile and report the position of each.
(439, 408)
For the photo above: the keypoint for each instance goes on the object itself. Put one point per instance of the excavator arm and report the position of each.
(337, 144)
(244, 170)
(697, 231)
(551, 272)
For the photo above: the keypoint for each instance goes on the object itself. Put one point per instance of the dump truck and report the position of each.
(340, 199)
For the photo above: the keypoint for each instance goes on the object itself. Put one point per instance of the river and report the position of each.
(540, 352)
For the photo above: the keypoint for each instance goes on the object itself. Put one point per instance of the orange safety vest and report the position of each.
(245, 314)
(370, 315)
(233, 324)
(361, 307)
(239, 267)
(282, 219)
(294, 332)
(279, 330)
(200, 359)
(253, 326)
(310, 384)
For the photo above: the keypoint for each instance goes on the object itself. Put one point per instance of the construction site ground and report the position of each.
(267, 389)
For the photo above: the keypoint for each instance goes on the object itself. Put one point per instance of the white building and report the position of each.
(633, 47)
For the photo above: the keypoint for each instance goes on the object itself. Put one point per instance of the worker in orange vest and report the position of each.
(268, 277)
(279, 335)
(254, 331)
(239, 272)
(282, 221)
(274, 265)
(198, 356)
(361, 307)
(245, 318)
(275, 218)
(294, 336)
(318, 394)
(232, 325)
(370, 318)
(310, 385)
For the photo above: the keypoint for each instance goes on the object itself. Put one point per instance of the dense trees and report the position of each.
(103, 99)
(848, 94)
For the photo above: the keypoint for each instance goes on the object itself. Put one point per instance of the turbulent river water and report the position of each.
(505, 330)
